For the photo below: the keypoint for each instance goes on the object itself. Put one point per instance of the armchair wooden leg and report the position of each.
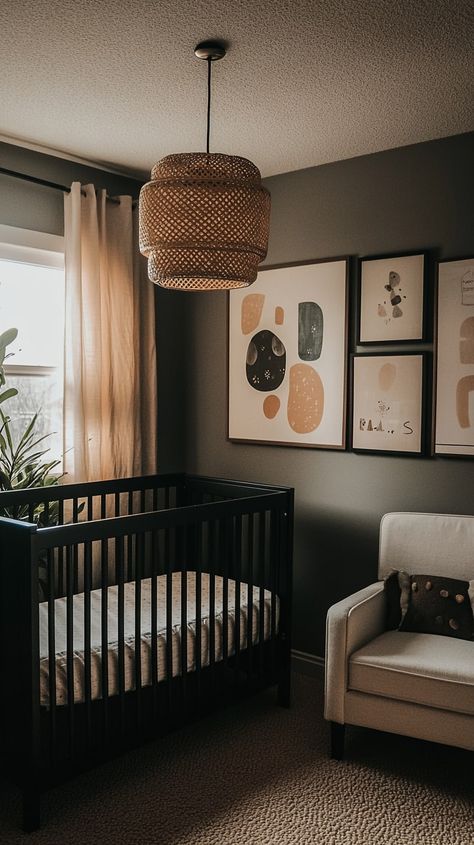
(337, 740)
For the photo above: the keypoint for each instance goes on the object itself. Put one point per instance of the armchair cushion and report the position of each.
(423, 669)
(439, 606)
(430, 604)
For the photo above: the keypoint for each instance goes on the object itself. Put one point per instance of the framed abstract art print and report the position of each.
(454, 430)
(392, 292)
(288, 356)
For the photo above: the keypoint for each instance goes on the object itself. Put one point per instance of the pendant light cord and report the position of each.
(209, 62)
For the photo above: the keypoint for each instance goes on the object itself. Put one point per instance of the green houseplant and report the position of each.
(22, 463)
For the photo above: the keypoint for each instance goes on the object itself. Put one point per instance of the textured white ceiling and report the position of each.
(303, 83)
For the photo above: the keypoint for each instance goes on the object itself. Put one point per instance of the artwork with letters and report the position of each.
(388, 403)
(287, 356)
(454, 433)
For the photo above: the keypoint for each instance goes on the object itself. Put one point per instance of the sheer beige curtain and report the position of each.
(110, 360)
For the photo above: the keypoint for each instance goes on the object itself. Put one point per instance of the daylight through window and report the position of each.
(32, 300)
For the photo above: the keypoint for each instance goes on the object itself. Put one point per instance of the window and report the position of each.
(32, 300)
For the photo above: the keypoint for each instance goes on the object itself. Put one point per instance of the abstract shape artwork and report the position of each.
(310, 331)
(387, 374)
(466, 343)
(394, 291)
(271, 406)
(391, 298)
(288, 340)
(455, 358)
(305, 399)
(464, 391)
(388, 403)
(252, 306)
(266, 361)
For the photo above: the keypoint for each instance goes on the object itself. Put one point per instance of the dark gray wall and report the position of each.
(418, 197)
(34, 207)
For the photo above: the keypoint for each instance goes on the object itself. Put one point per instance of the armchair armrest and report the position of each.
(350, 624)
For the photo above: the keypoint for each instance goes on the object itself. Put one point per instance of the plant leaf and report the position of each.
(8, 394)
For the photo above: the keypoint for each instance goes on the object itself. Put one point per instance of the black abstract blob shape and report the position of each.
(310, 331)
(266, 361)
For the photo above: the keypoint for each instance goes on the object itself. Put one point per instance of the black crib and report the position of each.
(80, 557)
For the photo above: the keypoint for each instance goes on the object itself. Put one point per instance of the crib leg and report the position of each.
(31, 810)
(284, 694)
(284, 685)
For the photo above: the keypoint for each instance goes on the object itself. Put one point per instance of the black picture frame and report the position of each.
(425, 449)
(425, 274)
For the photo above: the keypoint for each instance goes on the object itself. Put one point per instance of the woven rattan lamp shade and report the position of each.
(204, 221)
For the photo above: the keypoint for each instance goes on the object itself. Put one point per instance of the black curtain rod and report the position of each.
(47, 184)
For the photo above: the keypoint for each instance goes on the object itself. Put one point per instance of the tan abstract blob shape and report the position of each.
(306, 399)
(252, 306)
(279, 315)
(387, 375)
(271, 406)
(381, 310)
(466, 343)
(465, 387)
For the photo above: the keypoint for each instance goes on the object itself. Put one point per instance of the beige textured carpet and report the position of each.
(259, 775)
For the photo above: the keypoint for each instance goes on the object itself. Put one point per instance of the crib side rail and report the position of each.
(83, 489)
(173, 518)
(19, 639)
(85, 501)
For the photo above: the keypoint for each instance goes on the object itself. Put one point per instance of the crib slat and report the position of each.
(223, 556)
(87, 639)
(139, 545)
(184, 622)
(70, 645)
(75, 511)
(60, 552)
(90, 508)
(198, 623)
(274, 546)
(212, 599)
(120, 628)
(169, 623)
(51, 652)
(155, 551)
(261, 602)
(250, 592)
(104, 601)
(237, 545)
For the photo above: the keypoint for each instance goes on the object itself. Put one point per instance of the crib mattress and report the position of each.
(146, 637)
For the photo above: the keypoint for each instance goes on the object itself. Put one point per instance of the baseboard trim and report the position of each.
(306, 663)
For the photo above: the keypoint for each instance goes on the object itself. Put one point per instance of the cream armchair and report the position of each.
(420, 685)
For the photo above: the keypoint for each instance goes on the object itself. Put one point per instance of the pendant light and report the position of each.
(204, 217)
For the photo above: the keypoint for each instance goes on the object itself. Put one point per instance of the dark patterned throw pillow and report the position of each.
(430, 604)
